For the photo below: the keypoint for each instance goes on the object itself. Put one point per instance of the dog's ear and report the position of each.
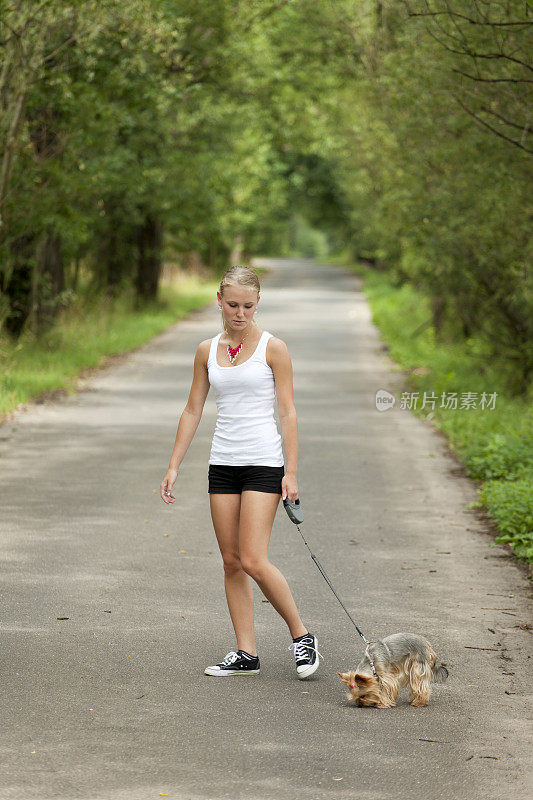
(362, 680)
(343, 676)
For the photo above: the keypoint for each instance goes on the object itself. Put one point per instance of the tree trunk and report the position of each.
(18, 291)
(438, 307)
(237, 252)
(116, 247)
(49, 281)
(149, 246)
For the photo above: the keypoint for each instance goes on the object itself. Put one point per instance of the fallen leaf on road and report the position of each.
(62, 617)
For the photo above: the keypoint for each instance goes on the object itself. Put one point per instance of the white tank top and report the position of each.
(246, 432)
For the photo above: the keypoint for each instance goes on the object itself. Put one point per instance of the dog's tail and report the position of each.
(439, 673)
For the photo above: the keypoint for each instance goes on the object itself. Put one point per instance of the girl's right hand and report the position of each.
(167, 484)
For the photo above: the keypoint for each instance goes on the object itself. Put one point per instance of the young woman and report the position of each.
(247, 368)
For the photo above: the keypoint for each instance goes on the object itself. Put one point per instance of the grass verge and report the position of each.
(84, 335)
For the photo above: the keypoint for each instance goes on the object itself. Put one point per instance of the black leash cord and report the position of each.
(321, 568)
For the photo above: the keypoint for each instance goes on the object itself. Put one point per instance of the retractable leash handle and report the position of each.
(295, 513)
(294, 510)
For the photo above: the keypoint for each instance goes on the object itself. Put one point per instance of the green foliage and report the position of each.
(222, 119)
(183, 112)
(500, 457)
(305, 240)
(434, 194)
(510, 504)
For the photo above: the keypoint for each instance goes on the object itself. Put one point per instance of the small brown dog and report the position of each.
(399, 659)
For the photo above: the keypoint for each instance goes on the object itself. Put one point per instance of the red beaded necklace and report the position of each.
(233, 352)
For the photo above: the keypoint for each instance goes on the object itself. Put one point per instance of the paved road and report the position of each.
(112, 703)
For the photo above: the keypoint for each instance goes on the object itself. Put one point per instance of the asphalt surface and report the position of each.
(112, 703)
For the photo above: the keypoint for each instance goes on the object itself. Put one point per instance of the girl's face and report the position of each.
(238, 307)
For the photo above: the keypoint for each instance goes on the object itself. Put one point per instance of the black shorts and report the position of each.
(224, 479)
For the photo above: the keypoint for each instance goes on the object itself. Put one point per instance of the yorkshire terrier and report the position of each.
(400, 659)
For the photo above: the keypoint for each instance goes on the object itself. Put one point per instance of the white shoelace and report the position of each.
(300, 649)
(230, 658)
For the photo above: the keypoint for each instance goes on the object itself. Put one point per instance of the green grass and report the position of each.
(85, 334)
(495, 445)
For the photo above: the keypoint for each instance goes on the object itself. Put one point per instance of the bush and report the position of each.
(510, 504)
(500, 457)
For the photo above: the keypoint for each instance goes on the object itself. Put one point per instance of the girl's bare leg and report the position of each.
(257, 513)
(225, 511)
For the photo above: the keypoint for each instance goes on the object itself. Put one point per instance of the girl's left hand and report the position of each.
(289, 487)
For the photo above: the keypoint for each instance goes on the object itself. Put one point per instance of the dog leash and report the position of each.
(294, 511)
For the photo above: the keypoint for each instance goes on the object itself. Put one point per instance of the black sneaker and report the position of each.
(235, 663)
(306, 655)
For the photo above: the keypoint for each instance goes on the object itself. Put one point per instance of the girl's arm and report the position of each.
(280, 362)
(189, 419)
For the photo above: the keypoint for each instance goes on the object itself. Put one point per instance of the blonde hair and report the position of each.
(238, 276)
